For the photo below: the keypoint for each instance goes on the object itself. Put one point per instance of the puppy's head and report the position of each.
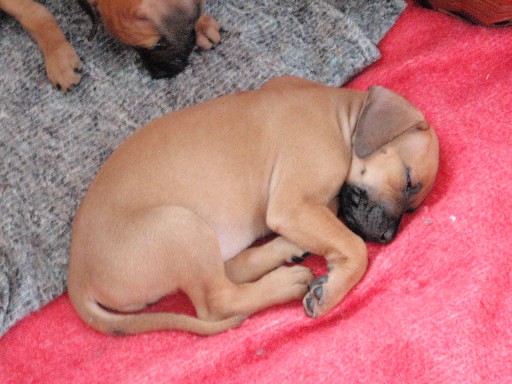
(394, 165)
(161, 31)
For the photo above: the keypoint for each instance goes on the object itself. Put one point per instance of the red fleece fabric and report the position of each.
(435, 305)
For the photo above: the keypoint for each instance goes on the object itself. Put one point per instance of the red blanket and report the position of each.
(435, 305)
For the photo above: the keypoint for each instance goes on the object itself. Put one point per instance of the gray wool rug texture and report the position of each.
(52, 144)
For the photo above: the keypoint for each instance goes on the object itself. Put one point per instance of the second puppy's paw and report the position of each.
(207, 32)
(63, 67)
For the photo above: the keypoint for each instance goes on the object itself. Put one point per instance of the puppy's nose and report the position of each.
(388, 235)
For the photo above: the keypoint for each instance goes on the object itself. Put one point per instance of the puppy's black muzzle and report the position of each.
(367, 219)
(170, 55)
(167, 58)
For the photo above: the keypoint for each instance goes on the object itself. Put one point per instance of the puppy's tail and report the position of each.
(118, 324)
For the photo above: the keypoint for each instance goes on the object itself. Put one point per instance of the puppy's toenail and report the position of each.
(318, 292)
(310, 304)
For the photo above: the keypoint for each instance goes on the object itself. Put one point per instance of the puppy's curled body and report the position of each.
(177, 204)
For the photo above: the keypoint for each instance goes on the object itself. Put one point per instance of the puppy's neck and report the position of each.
(350, 103)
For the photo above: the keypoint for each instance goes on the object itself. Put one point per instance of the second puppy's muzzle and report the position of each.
(170, 55)
(167, 58)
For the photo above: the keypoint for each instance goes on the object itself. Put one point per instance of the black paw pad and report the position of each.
(315, 296)
(321, 280)
(319, 292)
(300, 259)
(310, 305)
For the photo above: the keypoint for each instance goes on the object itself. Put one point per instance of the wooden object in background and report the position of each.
(487, 12)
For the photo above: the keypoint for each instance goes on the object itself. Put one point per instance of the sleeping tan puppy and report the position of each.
(61, 61)
(177, 204)
(163, 32)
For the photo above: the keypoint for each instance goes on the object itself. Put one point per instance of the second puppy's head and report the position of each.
(161, 31)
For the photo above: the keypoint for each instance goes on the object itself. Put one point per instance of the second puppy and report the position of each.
(163, 32)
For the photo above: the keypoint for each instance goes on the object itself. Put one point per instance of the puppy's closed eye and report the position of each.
(411, 189)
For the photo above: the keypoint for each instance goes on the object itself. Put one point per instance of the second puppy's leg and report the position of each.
(61, 61)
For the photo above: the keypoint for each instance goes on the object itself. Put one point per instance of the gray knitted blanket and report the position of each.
(52, 144)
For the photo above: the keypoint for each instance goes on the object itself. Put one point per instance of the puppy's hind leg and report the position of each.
(217, 297)
(157, 252)
(252, 263)
(188, 249)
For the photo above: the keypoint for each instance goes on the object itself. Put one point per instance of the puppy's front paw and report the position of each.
(207, 32)
(314, 301)
(63, 66)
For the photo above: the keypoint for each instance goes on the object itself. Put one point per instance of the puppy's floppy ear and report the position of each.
(385, 116)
